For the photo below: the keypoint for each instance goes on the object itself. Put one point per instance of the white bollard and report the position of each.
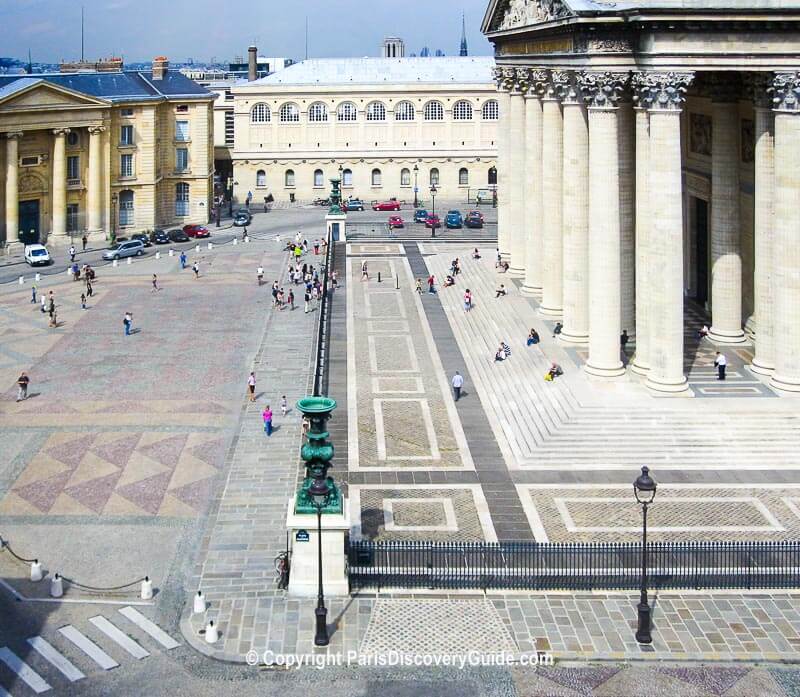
(36, 571)
(147, 589)
(199, 605)
(278, 239)
(69, 271)
(197, 248)
(38, 277)
(115, 263)
(129, 261)
(247, 239)
(211, 245)
(158, 255)
(22, 280)
(172, 252)
(235, 241)
(56, 587)
(211, 633)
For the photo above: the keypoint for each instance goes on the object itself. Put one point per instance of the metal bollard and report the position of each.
(22, 280)
(69, 272)
(38, 277)
(115, 263)
(211, 245)
(172, 252)
(235, 241)
(197, 248)
(158, 255)
(379, 276)
(129, 261)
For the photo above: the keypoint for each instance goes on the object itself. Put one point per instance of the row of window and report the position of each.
(126, 134)
(376, 177)
(126, 199)
(126, 163)
(375, 111)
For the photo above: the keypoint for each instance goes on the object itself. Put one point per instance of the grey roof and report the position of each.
(372, 71)
(15, 86)
(122, 86)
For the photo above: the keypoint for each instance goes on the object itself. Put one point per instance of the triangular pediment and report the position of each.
(515, 14)
(40, 95)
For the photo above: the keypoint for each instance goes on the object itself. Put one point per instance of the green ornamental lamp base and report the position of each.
(303, 503)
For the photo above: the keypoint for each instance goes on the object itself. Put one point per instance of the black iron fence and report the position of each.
(607, 566)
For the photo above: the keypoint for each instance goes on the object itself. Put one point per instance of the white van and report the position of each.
(37, 255)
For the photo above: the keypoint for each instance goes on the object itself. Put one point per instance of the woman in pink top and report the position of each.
(267, 416)
(467, 300)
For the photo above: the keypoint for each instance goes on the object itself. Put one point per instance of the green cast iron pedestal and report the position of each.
(317, 454)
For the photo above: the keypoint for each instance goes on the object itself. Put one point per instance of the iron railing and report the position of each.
(319, 358)
(551, 566)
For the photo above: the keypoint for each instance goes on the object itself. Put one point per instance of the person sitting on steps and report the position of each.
(500, 292)
(533, 337)
(557, 329)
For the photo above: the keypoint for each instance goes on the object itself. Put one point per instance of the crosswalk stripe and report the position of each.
(61, 662)
(25, 673)
(91, 649)
(149, 627)
(116, 634)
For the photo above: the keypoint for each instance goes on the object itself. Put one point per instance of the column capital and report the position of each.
(14, 135)
(785, 90)
(505, 77)
(522, 80)
(60, 131)
(573, 92)
(537, 83)
(602, 90)
(556, 85)
(757, 87)
(661, 91)
(96, 130)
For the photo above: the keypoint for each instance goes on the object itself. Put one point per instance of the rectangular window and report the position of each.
(29, 161)
(126, 165)
(126, 112)
(182, 131)
(182, 108)
(126, 135)
(73, 168)
(228, 128)
(181, 159)
(72, 217)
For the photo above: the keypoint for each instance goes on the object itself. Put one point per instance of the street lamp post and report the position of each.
(433, 210)
(416, 172)
(493, 171)
(319, 492)
(644, 488)
(113, 217)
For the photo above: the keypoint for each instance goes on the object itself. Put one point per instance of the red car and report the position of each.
(391, 205)
(396, 221)
(432, 221)
(196, 231)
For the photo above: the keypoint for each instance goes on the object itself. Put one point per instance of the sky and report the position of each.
(141, 29)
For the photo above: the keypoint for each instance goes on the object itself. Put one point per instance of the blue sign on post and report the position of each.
(301, 536)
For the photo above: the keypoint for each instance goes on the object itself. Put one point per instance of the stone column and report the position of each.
(602, 92)
(552, 165)
(575, 217)
(516, 179)
(663, 94)
(94, 193)
(627, 219)
(726, 232)
(641, 361)
(533, 185)
(12, 186)
(504, 78)
(59, 226)
(786, 250)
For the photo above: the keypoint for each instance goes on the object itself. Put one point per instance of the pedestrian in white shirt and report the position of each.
(458, 383)
(719, 363)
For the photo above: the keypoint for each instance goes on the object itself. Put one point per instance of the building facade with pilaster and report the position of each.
(648, 152)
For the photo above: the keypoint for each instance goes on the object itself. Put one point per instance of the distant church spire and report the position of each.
(463, 51)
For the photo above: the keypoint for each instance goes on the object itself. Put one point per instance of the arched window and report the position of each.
(73, 139)
(491, 178)
(404, 111)
(462, 111)
(259, 113)
(181, 199)
(376, 111)
(405, 177)
(463, 176)
(288, 178)
(317, 112)
(434, 111)
(434, 176)
(490, 110)
(347, 177)
(347, 111)
(289, 113)
(261, 178)
(376, 177)
(318, 178)
(126, 207)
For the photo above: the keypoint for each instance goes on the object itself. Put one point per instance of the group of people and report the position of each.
(266, 415)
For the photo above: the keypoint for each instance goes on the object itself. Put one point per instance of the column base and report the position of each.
(550, 311)
(603, 372)
(762, 368)
(674, 388)
(750, 326)
(517, 271)
(505, 256)
(639, 367)
(785, 384)
(720, 337)
(533, 291)
(574, 337)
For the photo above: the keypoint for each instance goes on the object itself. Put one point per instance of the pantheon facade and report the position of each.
(649, 156)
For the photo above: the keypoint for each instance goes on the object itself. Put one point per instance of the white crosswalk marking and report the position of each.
(25, 673)
(149, 627)
(120, 637)
(50, 654)
(91, 649)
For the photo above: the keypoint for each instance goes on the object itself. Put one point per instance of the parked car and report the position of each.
(420, 215)
(353, 204)
(143, 237)
(322, 202)
(484, 196)
(474, 219)
(131, 248)
(242, 218)
(454, 219)
(396, 221)
(159, 237)
(37, 255)
(196, 231)
(178, 235)
(391, 205)
(433, 221)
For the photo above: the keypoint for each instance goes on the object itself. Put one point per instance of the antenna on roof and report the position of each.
(30, 63)
(463, 49)
(81, 33)
(306, 37)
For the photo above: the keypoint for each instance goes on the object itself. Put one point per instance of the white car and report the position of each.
(37, 254)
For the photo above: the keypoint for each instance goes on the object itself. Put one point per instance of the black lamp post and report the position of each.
(493, 175)
(416, 188)
(113, 217)
(433, 210)
(319, 492)
(644, 488)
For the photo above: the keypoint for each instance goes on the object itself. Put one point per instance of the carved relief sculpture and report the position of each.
(523, 13)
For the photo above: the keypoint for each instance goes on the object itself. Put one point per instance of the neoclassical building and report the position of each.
(377, 119)
(648, 156)
(88, 151)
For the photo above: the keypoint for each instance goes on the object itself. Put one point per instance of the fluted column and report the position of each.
(552, 166)
(504, 78)
(786, 250)
(627, 218)
(94, 194)
(533, 185)
(516, 181)
(59, 226)
(726, 233)
(663, 94)
(641, 360)
(12, 186)
(575, 217)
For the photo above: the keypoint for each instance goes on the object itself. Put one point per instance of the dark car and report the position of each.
(143, 237)
(433, 221)
(353, 204)
(197, 231)
(242, 218)
(474, 219)
(420, 215)
(178, 235)
(159, 237)
(453, 219)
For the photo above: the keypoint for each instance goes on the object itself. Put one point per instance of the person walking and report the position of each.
(260, 275)
(316, 247)
(432, 284)
(284, 405)
(467, 300)
(298, 252)
(458, 383)
(155, 288)
(22, 386)
(290, 298)
(196, 269)
(127, 321)
(182, 259)
(72, 252)
(83, 301)
(251, 386)
(418, 289)
(267, 416)
(84, 240)
(364, 271)
(307, 299)
(89, 289)
(33, 294)
(43, 301)
(720, 363)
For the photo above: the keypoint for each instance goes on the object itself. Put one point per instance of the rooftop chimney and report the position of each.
(252, 63)
(160, 67)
